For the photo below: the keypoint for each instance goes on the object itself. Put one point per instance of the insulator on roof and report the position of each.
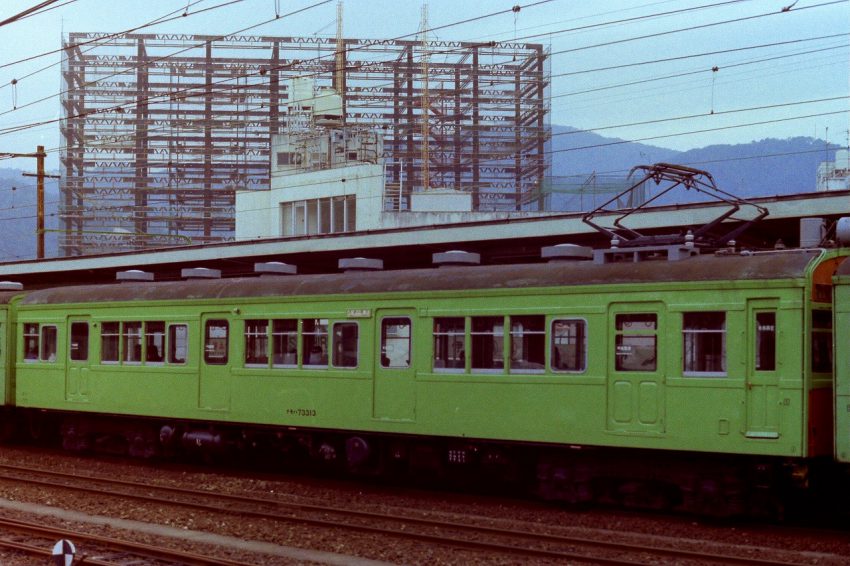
(566, 252)
(272, 268)
(133, 275)
(361, 264)
(11, 286)
(456, 257)
(200, 273)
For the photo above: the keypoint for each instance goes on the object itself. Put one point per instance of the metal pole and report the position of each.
(40, 155)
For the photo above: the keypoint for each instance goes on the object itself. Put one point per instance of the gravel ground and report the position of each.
(649, 529)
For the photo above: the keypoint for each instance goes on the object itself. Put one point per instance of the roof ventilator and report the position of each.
(274, 269)
(455, 257)
(360, 264)
(11, 286)
(133, 276)
(200, 273)
(561, 253)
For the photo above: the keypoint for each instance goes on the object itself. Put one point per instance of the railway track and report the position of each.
(603, 547)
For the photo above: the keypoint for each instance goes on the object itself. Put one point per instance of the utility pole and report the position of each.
(40, 175)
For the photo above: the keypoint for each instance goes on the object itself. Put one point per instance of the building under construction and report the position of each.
(159, 131)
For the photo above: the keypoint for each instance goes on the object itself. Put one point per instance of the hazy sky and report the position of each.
(771, 81)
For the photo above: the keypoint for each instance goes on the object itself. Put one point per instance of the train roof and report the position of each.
(769, 266)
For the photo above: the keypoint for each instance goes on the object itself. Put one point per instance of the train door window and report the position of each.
(154, 342)
(215, 342)
(636, 342)
(31, 341)
(314, 336)
(79, 351)
(178, 343)
(822, 341)
(488, 344)
(48, 343)
(285, 343)
(704, 343)
(345, 344)
(765, 341)
(256, 342)
(109, 340)
(132, 342)
(569, 345)
(395, 342)
(528, 344)
(449, 339)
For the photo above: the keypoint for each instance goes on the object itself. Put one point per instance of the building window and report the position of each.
(395, 342)
(569, 345)
(314, 337)
(765, 341)
(178, 343)
(636, 339)
(31, 341)
(256, 342)
(528, 344)
(79, 341)
(449, 344)
(215, 342)
(318, 216)
(285, 343)
(345, 344)
(704, 343)
(487, 343)
(822, 341)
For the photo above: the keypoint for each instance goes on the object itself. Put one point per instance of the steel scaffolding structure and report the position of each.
(159, 131)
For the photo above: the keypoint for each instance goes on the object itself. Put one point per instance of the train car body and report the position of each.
(679, 364)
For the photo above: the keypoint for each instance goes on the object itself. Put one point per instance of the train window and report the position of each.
(215, 342)
(765, 341)
(528, 343)
(256, 342)
(636, 342)
(822, 341)
(704, 343)
(345, 344)
(48, 343)
(31, 341)
(449, 338)
(132, 342)
(79, 350)
(569, 345)
(178, 343)
(314, 336)
(487, 343)
(285, 343)
(154, 342)
(109, 340)
(395, 342)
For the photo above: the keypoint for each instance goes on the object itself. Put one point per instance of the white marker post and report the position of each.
(63, 553)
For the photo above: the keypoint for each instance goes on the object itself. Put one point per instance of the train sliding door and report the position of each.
(214, 386)
(636, 379)
(77, 370)
(395, 384)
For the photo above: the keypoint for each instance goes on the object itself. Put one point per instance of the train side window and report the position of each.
(79, 351)
(704, 343)
(109, 340)
(345, 344)
(215, 342)
(395, 342)
(178, 343)
(32, 338)
(636, 342)
(569, 345)
(449, 343)
(132, 342)
(48, 343)
(488, 344)
(528, 344)
(314, 336)
(765, 341)
(257, 343)
(822, 341)
(154, 342)
(285, 343)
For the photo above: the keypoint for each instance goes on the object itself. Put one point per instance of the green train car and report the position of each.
(704, 384)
